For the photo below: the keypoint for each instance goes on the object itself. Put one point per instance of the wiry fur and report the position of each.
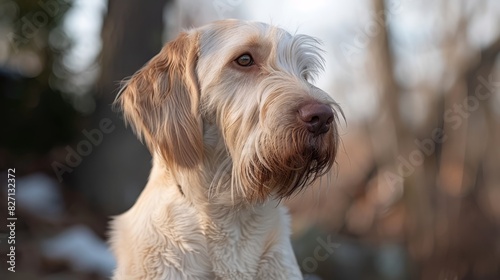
(227, 146)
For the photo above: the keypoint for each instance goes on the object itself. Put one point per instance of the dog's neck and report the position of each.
(198, 188)
(221, 216)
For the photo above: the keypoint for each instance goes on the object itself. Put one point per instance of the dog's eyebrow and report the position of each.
(303, 54)
(253, 48)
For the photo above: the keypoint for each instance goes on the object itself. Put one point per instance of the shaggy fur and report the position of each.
(229, 141)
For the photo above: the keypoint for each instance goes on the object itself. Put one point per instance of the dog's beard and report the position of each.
(282, 164)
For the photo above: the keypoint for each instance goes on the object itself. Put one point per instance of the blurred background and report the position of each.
(415, 193)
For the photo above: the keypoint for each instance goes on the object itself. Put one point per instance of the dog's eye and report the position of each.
(245, 60)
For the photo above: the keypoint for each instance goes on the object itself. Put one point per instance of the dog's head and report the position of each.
(237, 95)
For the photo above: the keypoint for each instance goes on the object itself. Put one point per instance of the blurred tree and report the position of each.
(447, 228)
(115, 173)
(35, 114)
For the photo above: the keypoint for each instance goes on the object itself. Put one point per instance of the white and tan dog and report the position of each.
(234, 126)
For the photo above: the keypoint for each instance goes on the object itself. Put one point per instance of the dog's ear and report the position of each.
(161, 101)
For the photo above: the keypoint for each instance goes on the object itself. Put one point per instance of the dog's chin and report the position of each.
(281, 173)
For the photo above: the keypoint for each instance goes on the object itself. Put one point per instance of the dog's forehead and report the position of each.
(222, 37)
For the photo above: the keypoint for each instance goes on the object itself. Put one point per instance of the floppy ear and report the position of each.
(161, 101)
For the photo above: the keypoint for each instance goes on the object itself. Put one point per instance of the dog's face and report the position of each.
(237, 95)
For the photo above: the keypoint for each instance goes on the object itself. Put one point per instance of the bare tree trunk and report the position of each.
(117, 169)
(380, 67)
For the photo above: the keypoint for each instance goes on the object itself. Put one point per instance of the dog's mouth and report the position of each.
(287, 171)
(315, 142)
(313, 153)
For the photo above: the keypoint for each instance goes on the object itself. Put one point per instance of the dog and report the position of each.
(234, 125)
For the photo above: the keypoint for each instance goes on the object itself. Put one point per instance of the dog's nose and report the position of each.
(317, 117)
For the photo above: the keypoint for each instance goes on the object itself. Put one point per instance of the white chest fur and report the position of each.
(163, 236)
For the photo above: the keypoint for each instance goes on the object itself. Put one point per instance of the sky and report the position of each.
(83, 23)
